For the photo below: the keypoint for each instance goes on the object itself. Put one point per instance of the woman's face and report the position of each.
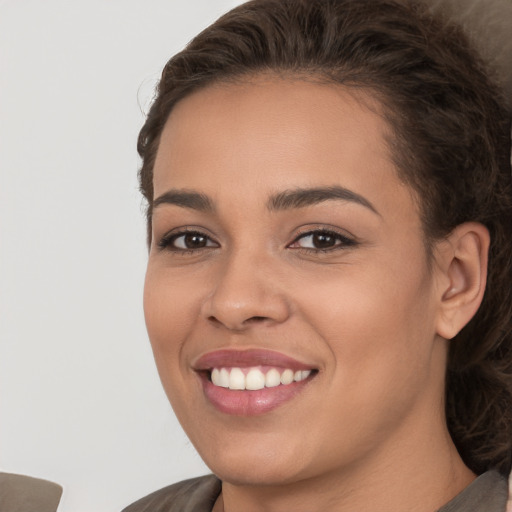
(288, 258)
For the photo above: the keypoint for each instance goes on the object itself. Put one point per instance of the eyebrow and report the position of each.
(185, 199)
(286, 200)
(302, 197)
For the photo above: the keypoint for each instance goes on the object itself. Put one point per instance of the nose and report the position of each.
(246, 292)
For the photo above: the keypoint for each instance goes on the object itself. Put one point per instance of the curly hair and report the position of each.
(450, 143)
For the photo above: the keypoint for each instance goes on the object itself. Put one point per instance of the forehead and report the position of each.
(272, 134)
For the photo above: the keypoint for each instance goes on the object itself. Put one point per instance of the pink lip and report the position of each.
(249, 403)
(244, 358)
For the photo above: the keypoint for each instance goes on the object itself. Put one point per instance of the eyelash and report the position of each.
(167, 241)
(341, 241)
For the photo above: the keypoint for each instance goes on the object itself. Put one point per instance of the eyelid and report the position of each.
(346, 239)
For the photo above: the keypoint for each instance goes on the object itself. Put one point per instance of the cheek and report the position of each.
(380, 336)
(378, 322)
(170, 310)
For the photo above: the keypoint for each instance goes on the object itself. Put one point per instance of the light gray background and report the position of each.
(80, 400)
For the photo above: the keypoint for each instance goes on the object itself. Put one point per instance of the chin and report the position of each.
(243, 473)
(255, 462)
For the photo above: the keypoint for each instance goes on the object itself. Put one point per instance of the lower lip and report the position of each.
(251, 403)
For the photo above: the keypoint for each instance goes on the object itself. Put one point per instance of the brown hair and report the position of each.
(451, 143)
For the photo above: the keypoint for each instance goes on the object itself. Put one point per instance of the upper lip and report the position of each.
(228, 358)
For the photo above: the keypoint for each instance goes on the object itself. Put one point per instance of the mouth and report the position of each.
(251, 382)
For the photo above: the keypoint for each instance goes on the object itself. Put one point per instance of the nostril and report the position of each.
(240, 326)
(256, 319)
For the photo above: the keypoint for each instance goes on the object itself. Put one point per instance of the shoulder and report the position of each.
(194, 495)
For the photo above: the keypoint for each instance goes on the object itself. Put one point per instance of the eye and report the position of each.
(186, 241)
(321, 240)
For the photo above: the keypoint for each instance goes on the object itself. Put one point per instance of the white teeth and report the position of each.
(224, 378)
(236, 379)
(272, 379)
(220, 377)
(287, 377)
(305, 374)
(254, 378)
(216, 376)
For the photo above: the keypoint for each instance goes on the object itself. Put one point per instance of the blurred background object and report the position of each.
(20, 493)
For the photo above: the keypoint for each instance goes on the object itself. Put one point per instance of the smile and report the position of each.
(251, 382)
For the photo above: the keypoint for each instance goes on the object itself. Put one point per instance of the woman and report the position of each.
(328, 293)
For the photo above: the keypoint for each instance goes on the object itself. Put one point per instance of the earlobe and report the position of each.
(462, 262)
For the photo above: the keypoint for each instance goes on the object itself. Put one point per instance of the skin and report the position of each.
(368, 432)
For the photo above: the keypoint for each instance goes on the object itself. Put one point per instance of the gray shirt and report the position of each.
(488, 493)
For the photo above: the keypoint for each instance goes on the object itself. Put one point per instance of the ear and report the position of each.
(462, 263)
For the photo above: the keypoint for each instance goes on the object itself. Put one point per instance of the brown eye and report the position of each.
(192, 241)
(321, 240)
(187, 241)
